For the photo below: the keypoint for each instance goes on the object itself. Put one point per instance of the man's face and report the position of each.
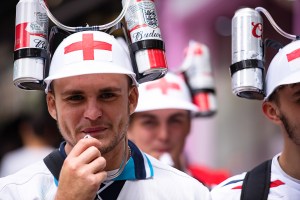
(289, 103)
(95, 104)
(160, 131)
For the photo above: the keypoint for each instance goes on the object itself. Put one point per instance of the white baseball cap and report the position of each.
(284, 68)
(89, 52)
(168, 92)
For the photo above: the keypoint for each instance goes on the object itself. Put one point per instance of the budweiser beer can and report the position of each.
(31, 25)
(31, 40)
(142, 25)
(247, 71)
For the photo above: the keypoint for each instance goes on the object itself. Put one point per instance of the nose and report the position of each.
(92, 110)
(163, 132)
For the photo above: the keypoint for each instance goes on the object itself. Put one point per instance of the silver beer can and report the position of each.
(247, 70)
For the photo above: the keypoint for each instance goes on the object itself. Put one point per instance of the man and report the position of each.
(280, 107)
(91, 92)
(162, 122)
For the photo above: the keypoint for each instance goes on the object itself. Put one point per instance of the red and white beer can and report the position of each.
(142, 26)
(31, 41)
(198, 74)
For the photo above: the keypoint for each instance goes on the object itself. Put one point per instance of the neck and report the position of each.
(125, 155)
(290, 159)
(180, 163)
(118, 156)
(177, 165)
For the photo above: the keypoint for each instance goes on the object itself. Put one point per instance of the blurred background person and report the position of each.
(10, 139)
(26, 139)
(162, 122)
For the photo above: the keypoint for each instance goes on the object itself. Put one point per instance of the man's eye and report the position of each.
(177, 121)
(75, 98)
(149, 123)
(107, 95)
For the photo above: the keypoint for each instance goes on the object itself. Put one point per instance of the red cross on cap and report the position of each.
(163, 85)
(293, 55)
(88, 45)
(198, 49)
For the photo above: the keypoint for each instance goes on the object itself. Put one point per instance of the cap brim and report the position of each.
(92, 67)
(291, 79)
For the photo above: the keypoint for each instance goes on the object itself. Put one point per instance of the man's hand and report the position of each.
(82, 172)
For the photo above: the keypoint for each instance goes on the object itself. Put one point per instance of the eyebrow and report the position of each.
(110, 89)
(179, 114)
(147, 115)
(103, 90)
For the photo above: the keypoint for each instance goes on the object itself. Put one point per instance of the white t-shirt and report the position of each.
(282, 186)
(159, 181)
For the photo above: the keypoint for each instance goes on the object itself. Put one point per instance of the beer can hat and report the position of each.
(284, 68)
(168, 92)
(89, 52)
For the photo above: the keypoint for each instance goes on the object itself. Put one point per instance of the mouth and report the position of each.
(94, 131)
(163, 150)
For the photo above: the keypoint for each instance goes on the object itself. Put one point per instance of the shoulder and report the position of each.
(30, 177)
(173, 179)
(231, 188)
(163, 170)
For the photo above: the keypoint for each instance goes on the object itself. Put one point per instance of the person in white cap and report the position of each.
(162, 119)
(162, 122)
(278, 178)
(91, 92)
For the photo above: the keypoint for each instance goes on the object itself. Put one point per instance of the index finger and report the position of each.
(83, 144)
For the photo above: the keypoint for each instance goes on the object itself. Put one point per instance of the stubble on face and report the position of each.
(117, 128)
(118, 135)
(291, 129)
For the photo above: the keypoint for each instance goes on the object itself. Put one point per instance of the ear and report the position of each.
(133, 99)
(51, 105)
(271, 111)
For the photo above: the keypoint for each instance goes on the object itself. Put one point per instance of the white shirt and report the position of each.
(282, 186)
(22, 157)
(160, 182)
